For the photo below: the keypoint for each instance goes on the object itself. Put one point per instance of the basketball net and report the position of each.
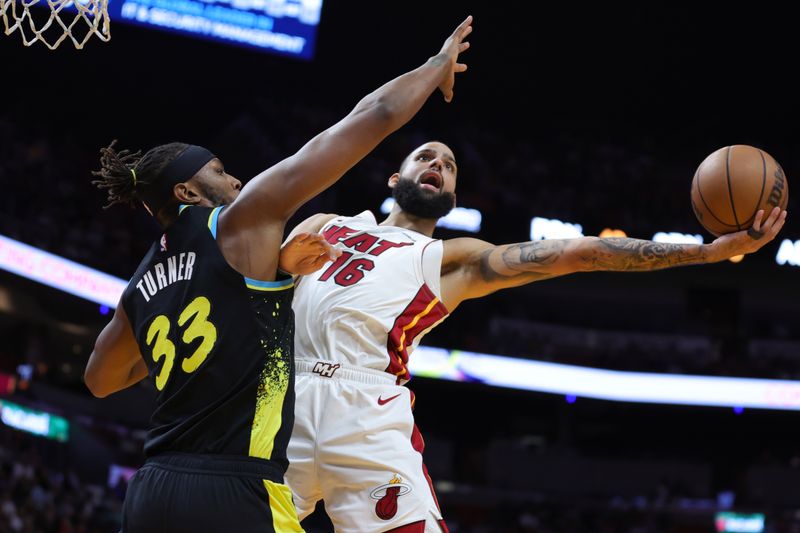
(65, 18)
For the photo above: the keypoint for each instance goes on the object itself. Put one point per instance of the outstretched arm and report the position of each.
(473, 268)
(253, 222)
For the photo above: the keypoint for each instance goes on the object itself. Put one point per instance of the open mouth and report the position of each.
(431, 181)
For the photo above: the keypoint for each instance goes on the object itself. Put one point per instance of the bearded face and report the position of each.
(422, 200)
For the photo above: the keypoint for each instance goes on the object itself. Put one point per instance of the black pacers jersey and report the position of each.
(218, 347)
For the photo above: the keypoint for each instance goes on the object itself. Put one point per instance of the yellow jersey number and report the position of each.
(196, 314)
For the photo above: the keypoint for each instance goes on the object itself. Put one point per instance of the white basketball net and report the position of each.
(77, 20)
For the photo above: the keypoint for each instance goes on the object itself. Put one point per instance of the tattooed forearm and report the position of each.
(524, 262)
(634, 254)
(531, 261)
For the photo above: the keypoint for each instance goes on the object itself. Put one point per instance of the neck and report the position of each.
(166, 216)
(401, 219)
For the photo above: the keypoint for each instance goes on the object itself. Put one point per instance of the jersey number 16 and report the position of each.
(349, 273)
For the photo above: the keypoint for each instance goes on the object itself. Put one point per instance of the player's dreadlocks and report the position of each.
(128, 175)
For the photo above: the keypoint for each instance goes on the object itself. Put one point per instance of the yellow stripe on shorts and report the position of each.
(284, 515)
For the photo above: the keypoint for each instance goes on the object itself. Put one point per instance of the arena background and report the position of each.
(596, 115)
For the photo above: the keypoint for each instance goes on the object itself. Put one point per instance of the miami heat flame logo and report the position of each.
(387, 495)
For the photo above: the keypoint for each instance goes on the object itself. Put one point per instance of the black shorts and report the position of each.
(201, 493)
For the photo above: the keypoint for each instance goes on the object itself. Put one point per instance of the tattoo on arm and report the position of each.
(534, 260)
(621, 254)
(521, 262)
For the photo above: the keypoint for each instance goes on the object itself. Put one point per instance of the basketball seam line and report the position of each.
(763, 181)
(710, 212)
(785, 193)
(730, 187)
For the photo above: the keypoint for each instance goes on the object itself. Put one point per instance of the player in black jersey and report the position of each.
(208, 315)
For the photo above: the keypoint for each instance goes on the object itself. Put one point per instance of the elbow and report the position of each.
(95, 387)
(597, 254)
(97, 391)
(583, 257)
(94, 383)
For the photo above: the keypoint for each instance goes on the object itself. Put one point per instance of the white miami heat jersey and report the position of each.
(370, 307)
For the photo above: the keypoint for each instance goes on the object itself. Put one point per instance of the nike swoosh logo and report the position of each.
(381, 401)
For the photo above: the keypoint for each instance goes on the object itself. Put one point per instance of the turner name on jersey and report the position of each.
(179, 267)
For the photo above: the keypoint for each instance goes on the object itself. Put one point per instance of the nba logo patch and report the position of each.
(164, 243)
(387, 495)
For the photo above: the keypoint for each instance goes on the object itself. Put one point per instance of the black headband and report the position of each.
(159, 192)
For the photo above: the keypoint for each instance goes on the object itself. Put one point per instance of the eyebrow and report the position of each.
(429, 151)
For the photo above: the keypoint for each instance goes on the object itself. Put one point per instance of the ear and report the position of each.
(187, 194)
(393, 179)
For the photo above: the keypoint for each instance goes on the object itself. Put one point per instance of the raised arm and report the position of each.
(472, 268)
(270, 198)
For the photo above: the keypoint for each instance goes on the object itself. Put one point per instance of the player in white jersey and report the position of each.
(354, 443)
(352, 319)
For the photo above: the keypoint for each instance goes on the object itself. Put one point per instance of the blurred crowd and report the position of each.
(39, 498)
(629, 182)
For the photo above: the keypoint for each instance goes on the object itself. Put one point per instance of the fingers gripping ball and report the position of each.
(732, 184)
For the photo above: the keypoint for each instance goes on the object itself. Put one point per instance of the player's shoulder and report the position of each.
(323, 216)
(365, 216)
(315, 223)
(466, 243)
(197, 217)
(463, 249)
(186, 211)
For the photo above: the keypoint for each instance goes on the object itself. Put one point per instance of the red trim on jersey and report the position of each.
(418, 443)
(416, 527)
(422, 312)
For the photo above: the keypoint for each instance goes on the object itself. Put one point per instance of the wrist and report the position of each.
(711, 253)
(283, 273)
(282, 267)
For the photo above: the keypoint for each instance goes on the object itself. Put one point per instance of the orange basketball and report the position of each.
(732, 184)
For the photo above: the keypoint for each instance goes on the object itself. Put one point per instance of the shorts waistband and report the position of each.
(231, 465)
(338, 370)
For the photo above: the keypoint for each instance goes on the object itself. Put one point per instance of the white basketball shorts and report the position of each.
(356, 447)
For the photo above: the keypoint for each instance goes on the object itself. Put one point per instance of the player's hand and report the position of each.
(751, 240)
(453, 46)
(306, 253)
